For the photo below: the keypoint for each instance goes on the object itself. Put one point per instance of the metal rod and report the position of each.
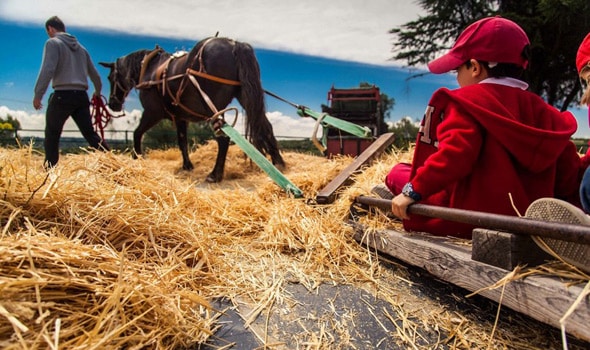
(282, 99)
(507, 223)
(326, 119)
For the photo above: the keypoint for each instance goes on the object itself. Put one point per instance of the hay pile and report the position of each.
(105, 252)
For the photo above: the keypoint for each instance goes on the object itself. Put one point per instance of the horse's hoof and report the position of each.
(212, 179)
(188, 166)
(281, 166)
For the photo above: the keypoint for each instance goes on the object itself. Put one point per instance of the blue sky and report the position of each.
(303, 47)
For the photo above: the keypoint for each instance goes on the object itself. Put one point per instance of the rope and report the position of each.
(100, 114)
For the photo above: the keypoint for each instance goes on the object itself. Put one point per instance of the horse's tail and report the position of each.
(258, 128)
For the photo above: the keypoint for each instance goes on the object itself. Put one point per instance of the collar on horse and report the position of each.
(144, 63)
(161, 79)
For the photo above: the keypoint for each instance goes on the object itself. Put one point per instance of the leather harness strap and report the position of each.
(161, 80)
(146, 60)
(213, 77)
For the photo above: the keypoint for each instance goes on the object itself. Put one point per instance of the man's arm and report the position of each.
(48, 66)
(94, 76)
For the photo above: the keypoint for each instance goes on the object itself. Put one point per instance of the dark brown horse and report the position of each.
(195, 87)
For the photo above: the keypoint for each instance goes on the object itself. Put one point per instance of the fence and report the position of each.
(70, 140)
(122, 140)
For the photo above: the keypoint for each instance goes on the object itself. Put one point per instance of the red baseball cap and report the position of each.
(492, 39)
(583, 56)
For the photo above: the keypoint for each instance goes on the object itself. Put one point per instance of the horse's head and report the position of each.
(120, 85)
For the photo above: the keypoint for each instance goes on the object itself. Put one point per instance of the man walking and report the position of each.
(67, 65)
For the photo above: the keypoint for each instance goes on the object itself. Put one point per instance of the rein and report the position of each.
(101, 114)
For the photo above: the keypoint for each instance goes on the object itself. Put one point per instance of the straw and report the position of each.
(108, 252)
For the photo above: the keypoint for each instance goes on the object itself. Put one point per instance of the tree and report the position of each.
(385, 107)
(387, 102)
(12, 123)
(163, 134)
(8, 130)
(555, 28)
(405, 131)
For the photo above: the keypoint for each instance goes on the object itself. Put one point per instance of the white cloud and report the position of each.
(284, 125)
(345, 29)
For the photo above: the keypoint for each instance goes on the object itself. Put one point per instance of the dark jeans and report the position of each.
(63, 104)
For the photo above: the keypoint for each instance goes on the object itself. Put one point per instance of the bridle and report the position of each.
(118, 85)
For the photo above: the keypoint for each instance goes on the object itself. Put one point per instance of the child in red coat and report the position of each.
(490, 145)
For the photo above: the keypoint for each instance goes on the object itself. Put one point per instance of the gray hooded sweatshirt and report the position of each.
(67, 64)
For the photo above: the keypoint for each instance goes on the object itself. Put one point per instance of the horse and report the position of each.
(193, 87)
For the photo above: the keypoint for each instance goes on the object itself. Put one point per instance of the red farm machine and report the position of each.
(360, 106)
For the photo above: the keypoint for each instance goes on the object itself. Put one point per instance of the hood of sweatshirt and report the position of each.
(69, 40)
(532, 131)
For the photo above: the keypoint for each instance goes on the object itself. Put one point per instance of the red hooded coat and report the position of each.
(492, 148)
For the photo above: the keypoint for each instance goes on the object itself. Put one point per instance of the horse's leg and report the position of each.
(181, 133)
(147, 121)
(222, 147)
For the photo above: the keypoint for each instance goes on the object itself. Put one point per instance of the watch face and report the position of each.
(407, 189)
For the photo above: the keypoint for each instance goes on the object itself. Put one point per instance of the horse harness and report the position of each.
(117, 85)
(162, 79)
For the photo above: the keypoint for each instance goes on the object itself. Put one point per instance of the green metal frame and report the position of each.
(261, 161)
(326, 121)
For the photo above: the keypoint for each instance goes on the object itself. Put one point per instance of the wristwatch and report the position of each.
(408, 191)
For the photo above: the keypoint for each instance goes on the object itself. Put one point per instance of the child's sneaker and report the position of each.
(382, 191)
(555, 210)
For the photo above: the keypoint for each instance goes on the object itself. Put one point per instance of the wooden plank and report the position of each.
(543, 298)
(506, 250)
(327, 195)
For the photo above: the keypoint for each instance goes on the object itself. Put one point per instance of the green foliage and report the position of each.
(405, 132)
(422, 40)
(9, 123)
(163, 135)
(8, 130)
(581, 145)
(555, 28)
(300, 146)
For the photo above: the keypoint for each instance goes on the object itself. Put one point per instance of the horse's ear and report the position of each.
(107, 65)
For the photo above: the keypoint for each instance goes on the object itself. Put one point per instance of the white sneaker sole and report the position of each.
(555, 210)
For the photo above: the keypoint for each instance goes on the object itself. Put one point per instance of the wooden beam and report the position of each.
(543, 298)
(327, 195)
(506, 250)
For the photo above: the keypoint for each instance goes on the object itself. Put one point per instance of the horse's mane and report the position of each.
(132, 62)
